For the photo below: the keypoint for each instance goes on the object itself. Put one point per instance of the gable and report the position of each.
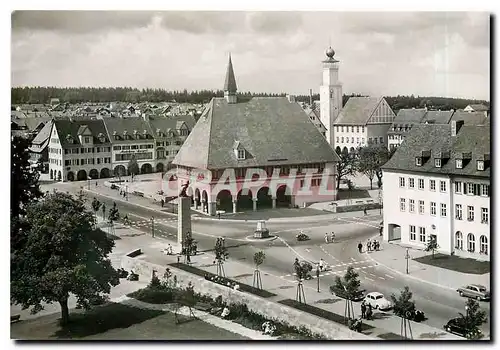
(382, 113)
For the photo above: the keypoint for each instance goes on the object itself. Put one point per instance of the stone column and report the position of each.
(183, 220)
(212, 208)
(274, 203)
(235, 207)
(203, 205)
(196, 204)
(254, 204)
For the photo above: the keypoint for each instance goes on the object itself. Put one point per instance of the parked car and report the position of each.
(457, 326)
(475, 291)
(378, 301)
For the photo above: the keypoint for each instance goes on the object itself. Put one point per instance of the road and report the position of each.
(439, 304)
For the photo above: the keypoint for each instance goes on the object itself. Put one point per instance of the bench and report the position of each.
(134, 253)
(15, 318)
(203, 307)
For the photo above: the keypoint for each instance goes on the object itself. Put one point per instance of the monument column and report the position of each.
(274, 202)
(183, 217)
(254, 204)
(235, 206)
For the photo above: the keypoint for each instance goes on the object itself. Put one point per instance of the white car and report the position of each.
(378, 301)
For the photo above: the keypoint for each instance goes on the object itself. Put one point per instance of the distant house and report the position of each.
(313, 115)
(54, 101)
(476, 108)
(470, 118)
(402, 124)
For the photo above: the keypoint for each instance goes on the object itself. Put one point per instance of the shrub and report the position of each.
(153, 296)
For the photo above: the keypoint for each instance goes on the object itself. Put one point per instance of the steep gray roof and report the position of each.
(437, 138)
(273, 131)
(357, 110)
(405, 119)
(173, 123)
(43, 134)
(479, 107)
(437, 117)
(230, 82)
(120, 125)
(67, 127)
(469, 118)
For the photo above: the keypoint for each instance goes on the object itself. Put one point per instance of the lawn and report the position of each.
(119, 322)
(455, 263)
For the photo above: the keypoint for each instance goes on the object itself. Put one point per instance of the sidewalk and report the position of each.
(392, 256)
(285, 288)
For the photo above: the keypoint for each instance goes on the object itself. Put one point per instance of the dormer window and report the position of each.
(480, 165)
(458, 163)
(87, 139)
(437, 162)
(241, 154)
(418, 161)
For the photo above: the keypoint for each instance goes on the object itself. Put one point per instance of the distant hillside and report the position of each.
(126, 94)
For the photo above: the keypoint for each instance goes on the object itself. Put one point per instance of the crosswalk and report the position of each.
(142, 223)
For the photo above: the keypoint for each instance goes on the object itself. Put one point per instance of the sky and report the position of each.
(380, 53)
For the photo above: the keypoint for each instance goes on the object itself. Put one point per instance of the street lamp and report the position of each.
(317, 274)
(407, 257)
(153, 226)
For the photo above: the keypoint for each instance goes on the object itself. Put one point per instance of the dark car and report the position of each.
(458, 326)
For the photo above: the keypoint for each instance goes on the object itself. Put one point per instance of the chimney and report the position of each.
(311, 97)
(290, 98)
(455, 126)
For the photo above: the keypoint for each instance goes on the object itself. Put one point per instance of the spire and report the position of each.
(230, 83)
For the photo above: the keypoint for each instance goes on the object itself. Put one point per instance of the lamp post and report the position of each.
(153, 226)
(317, 275)
(407, 257)
(467, 318)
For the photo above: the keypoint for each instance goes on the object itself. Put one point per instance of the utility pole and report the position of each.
(153, 226)
(407, 257)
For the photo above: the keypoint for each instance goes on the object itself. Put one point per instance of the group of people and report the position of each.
(123, 193)
(366, 310)
(370, 246)
(329, 238)
(169, 250)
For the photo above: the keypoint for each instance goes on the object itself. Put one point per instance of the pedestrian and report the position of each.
(381, 230)
(218, 214)
(364, 211)
(321, 264)
(96, 184)
(162, 202)
(369, 312)
(326, 238)
(369, 245)
(332, 237)
(360, 247)
(363, 309)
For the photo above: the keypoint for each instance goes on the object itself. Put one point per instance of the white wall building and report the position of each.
(438, 184)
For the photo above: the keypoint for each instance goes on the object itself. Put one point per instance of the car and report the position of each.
(378, 301)
(474, 291)
(457, 326)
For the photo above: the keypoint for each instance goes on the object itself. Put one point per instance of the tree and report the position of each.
(63, 255)
(113, 216)
(473, 318)
(221, 255)
(347, 288)
(302, 270)
(133, 167)
(370, 160)
(24, 188)
(404, 307)
(346, 166)
(187, 246)
(258, 259)
(96, 205)
(432, 245)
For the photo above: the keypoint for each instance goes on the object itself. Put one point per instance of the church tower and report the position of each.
(230, 84)
(330, 94)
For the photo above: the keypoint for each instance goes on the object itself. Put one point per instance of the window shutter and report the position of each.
(477, 189)
(465, 187)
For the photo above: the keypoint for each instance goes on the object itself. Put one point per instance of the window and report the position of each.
(376, 140)
(459, 240)
(402, 204)
(418, 161)
(342, 139)
(87, 139)
(401, 182)
(421, 236)
(381, 140)
(458, 211)
(357, 129)
(411, 182)
(82, 150)
(98, 160)
(470, 188)
(484, 215)
(458, 187)
(134, 147)
(433, 208)
(470, 213)
(352, 139)
(412, 205)
(347, 140)
(483, 244)
(432, 185)
(177, 143)
(362, 129)
(413, 233)
(362, 140)
(437, 163)
(420, 184)
(337, 139)
(458, 163)
(357, 139)
(471, 243)
(337, 128)
(342, 128)
(241, 154)
(421, 207)
(117, 148)
(443, 210)
(485, 189)
(369, 140)
(480, 165)
(67, 162)
(442, 186)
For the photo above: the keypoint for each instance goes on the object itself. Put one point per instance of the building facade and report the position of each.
(252, 154)
(437, 186)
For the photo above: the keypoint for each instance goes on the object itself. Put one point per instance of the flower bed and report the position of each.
(223, 280)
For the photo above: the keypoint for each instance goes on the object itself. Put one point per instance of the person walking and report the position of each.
(321, 264)
(369, 312)
(363, 309)
(162, 202)
(332, 237)
(326, 238)
(360, 247)
(369, 245)
(364, 211)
